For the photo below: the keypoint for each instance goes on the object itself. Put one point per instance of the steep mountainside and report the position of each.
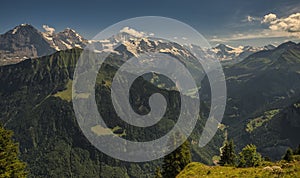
(24, 41)
(275, 130)
(260, 89)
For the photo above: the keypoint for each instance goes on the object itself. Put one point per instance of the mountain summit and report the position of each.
(66, 39)
(226, 53)
(24, 41)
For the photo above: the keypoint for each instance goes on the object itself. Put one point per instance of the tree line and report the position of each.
(175, 162)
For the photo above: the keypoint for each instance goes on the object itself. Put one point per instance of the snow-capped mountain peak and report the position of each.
(130, 38)
(225, 52)
(24, 41)
(22, 27)
(66, 39)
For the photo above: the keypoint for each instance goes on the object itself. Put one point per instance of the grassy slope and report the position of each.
(200, 170)
(67, 93)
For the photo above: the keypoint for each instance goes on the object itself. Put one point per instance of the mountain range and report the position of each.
(226, 53)
(25, 41)
(36, 104)
(263, 102)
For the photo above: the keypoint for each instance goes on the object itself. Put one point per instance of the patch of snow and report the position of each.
(237, 50)
(167, 50)
(67, 45)
(49, 30)
(15, 30)
(79, 37)
(215, 50)
(77, 45)
(56, 47)
(104, 41)
(70, 42)
(108, 50)
(131, 47)
(147, 41)
(49, 38)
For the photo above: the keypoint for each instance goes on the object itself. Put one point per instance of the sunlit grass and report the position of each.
(268, 169)
(67, 93)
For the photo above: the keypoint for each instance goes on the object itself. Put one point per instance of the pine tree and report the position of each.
(288, 155)
(249, 157)
(10, 165)
(227, 154)
(158, 173)
(297, 151)
(175, 162)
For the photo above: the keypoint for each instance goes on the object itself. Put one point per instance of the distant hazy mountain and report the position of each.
(226, 53)
(24, 41)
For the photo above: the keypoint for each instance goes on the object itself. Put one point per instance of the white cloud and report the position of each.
(251, 19)
(284, 27)
(290, 24)
(48, 29)
(269, 18)
(132, 32)
(259, 34)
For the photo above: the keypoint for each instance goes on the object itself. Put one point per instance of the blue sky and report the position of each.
(234, 22)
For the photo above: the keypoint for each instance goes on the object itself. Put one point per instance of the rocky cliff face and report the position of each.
(24, 41)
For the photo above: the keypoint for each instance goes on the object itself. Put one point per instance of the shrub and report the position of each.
(288, 155)
(249, 157)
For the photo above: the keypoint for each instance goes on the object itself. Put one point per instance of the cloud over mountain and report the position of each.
(132, 32)
(290, 24)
